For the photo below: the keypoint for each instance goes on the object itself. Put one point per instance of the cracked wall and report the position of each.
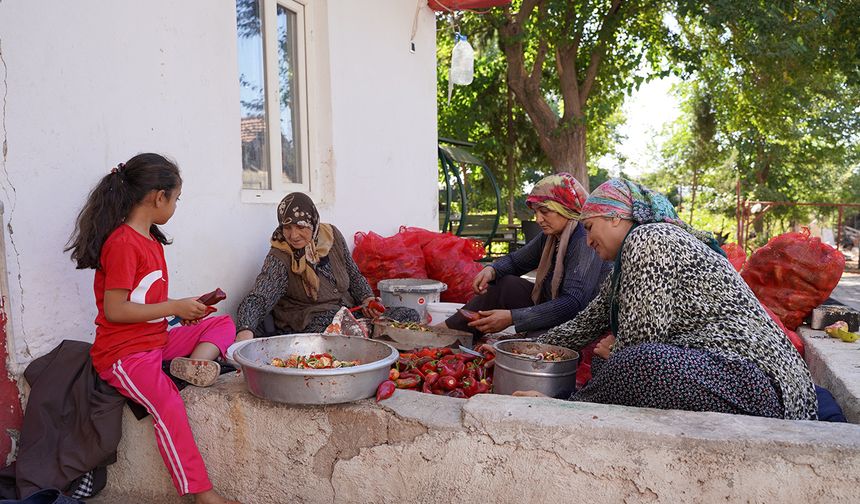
(421, 448)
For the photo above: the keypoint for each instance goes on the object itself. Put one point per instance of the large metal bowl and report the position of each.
(516, 369)
(315, 386)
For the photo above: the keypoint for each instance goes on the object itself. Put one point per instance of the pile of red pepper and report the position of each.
(440, 371)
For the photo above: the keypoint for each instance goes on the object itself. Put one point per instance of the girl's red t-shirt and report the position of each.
(136, 263)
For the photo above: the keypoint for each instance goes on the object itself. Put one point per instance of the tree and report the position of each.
(486, 112)
(783, 82)
(570, 63)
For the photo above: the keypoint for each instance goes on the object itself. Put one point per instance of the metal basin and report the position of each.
(315, 386)
(522, 372)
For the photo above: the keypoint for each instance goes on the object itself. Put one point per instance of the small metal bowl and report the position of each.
(315, 386)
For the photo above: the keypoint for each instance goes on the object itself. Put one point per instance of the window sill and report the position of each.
(271, 197)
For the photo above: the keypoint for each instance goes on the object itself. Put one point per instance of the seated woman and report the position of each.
(568, 271)
(306, 278)
(688, 332)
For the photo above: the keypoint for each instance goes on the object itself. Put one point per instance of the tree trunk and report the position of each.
(565, 150)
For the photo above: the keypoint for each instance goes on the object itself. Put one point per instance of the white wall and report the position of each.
(87, 84)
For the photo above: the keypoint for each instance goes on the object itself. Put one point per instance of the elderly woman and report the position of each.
(306, 278)
(568, 271)
(688, 332)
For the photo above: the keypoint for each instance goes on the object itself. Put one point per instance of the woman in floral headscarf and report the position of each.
(308, 275)
(688, 332)
(568, 271)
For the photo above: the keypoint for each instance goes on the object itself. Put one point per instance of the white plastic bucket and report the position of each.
(415, 293)
(438, 312)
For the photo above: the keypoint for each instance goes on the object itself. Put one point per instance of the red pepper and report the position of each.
(447, 382)
(430, 366)
(419, 373)
(488, 363)
(409, 374)
(393, 374)
(429, 381)
(403, 364)
(412, 381)
(448, 358)
(385, 390)
(376, 305)
(427, 352)
(445, 351)
(465, 357)
(407, 355)
(472, 387)
(455, 369)
(421, 361)
(213, 297)
(470, 315)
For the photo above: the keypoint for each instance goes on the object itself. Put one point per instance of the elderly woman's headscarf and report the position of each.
(628, 200)
(564, 195)
(299, 209)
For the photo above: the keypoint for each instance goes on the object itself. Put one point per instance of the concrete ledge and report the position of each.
(835, 365)
(421, 448)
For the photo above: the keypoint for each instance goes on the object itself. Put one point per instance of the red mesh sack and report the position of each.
(379, 258)
(418, 236)
(793, 274)
(736, 255)
(791, 335)
(451, 259)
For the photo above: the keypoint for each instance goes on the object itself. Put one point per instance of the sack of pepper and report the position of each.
(440, 371)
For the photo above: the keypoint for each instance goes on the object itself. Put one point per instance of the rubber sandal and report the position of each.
(199, 372)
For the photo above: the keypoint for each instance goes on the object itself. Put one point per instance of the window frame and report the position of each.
(271, 81)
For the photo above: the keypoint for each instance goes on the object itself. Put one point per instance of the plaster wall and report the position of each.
(85, 85)
(423, 448)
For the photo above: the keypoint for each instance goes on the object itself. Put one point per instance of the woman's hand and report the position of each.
(492, 321)
(528, 393)
(188, 308)
(604, 347)
(368, 310)
(482, 279)
(244, 334)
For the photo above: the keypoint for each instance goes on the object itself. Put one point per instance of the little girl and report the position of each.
(117, 235)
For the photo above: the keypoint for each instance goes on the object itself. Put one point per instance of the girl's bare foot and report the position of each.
(212, 497)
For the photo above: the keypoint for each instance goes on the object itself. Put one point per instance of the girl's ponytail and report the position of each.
(113, 198)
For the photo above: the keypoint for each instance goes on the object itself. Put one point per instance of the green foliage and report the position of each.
(771, 97)
(777, 83)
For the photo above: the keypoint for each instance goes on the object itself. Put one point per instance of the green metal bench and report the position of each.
(456, 214)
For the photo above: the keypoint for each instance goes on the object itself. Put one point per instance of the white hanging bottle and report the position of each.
(462, 70)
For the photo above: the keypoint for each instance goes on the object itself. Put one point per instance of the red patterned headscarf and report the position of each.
(561, 193)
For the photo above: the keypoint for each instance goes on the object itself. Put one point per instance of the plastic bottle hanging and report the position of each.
(462, 70)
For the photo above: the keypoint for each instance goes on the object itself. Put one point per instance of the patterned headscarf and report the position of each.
(299, 209)
(628, 200)
(561, 193)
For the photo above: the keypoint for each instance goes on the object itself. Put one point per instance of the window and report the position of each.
(273, 97)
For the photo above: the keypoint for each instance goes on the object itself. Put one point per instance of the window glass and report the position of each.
(252, 95)
(288, 95)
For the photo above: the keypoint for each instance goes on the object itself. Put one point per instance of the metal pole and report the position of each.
(738, 237)
(839, 229)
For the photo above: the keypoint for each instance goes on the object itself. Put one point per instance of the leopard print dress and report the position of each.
(674, 290)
